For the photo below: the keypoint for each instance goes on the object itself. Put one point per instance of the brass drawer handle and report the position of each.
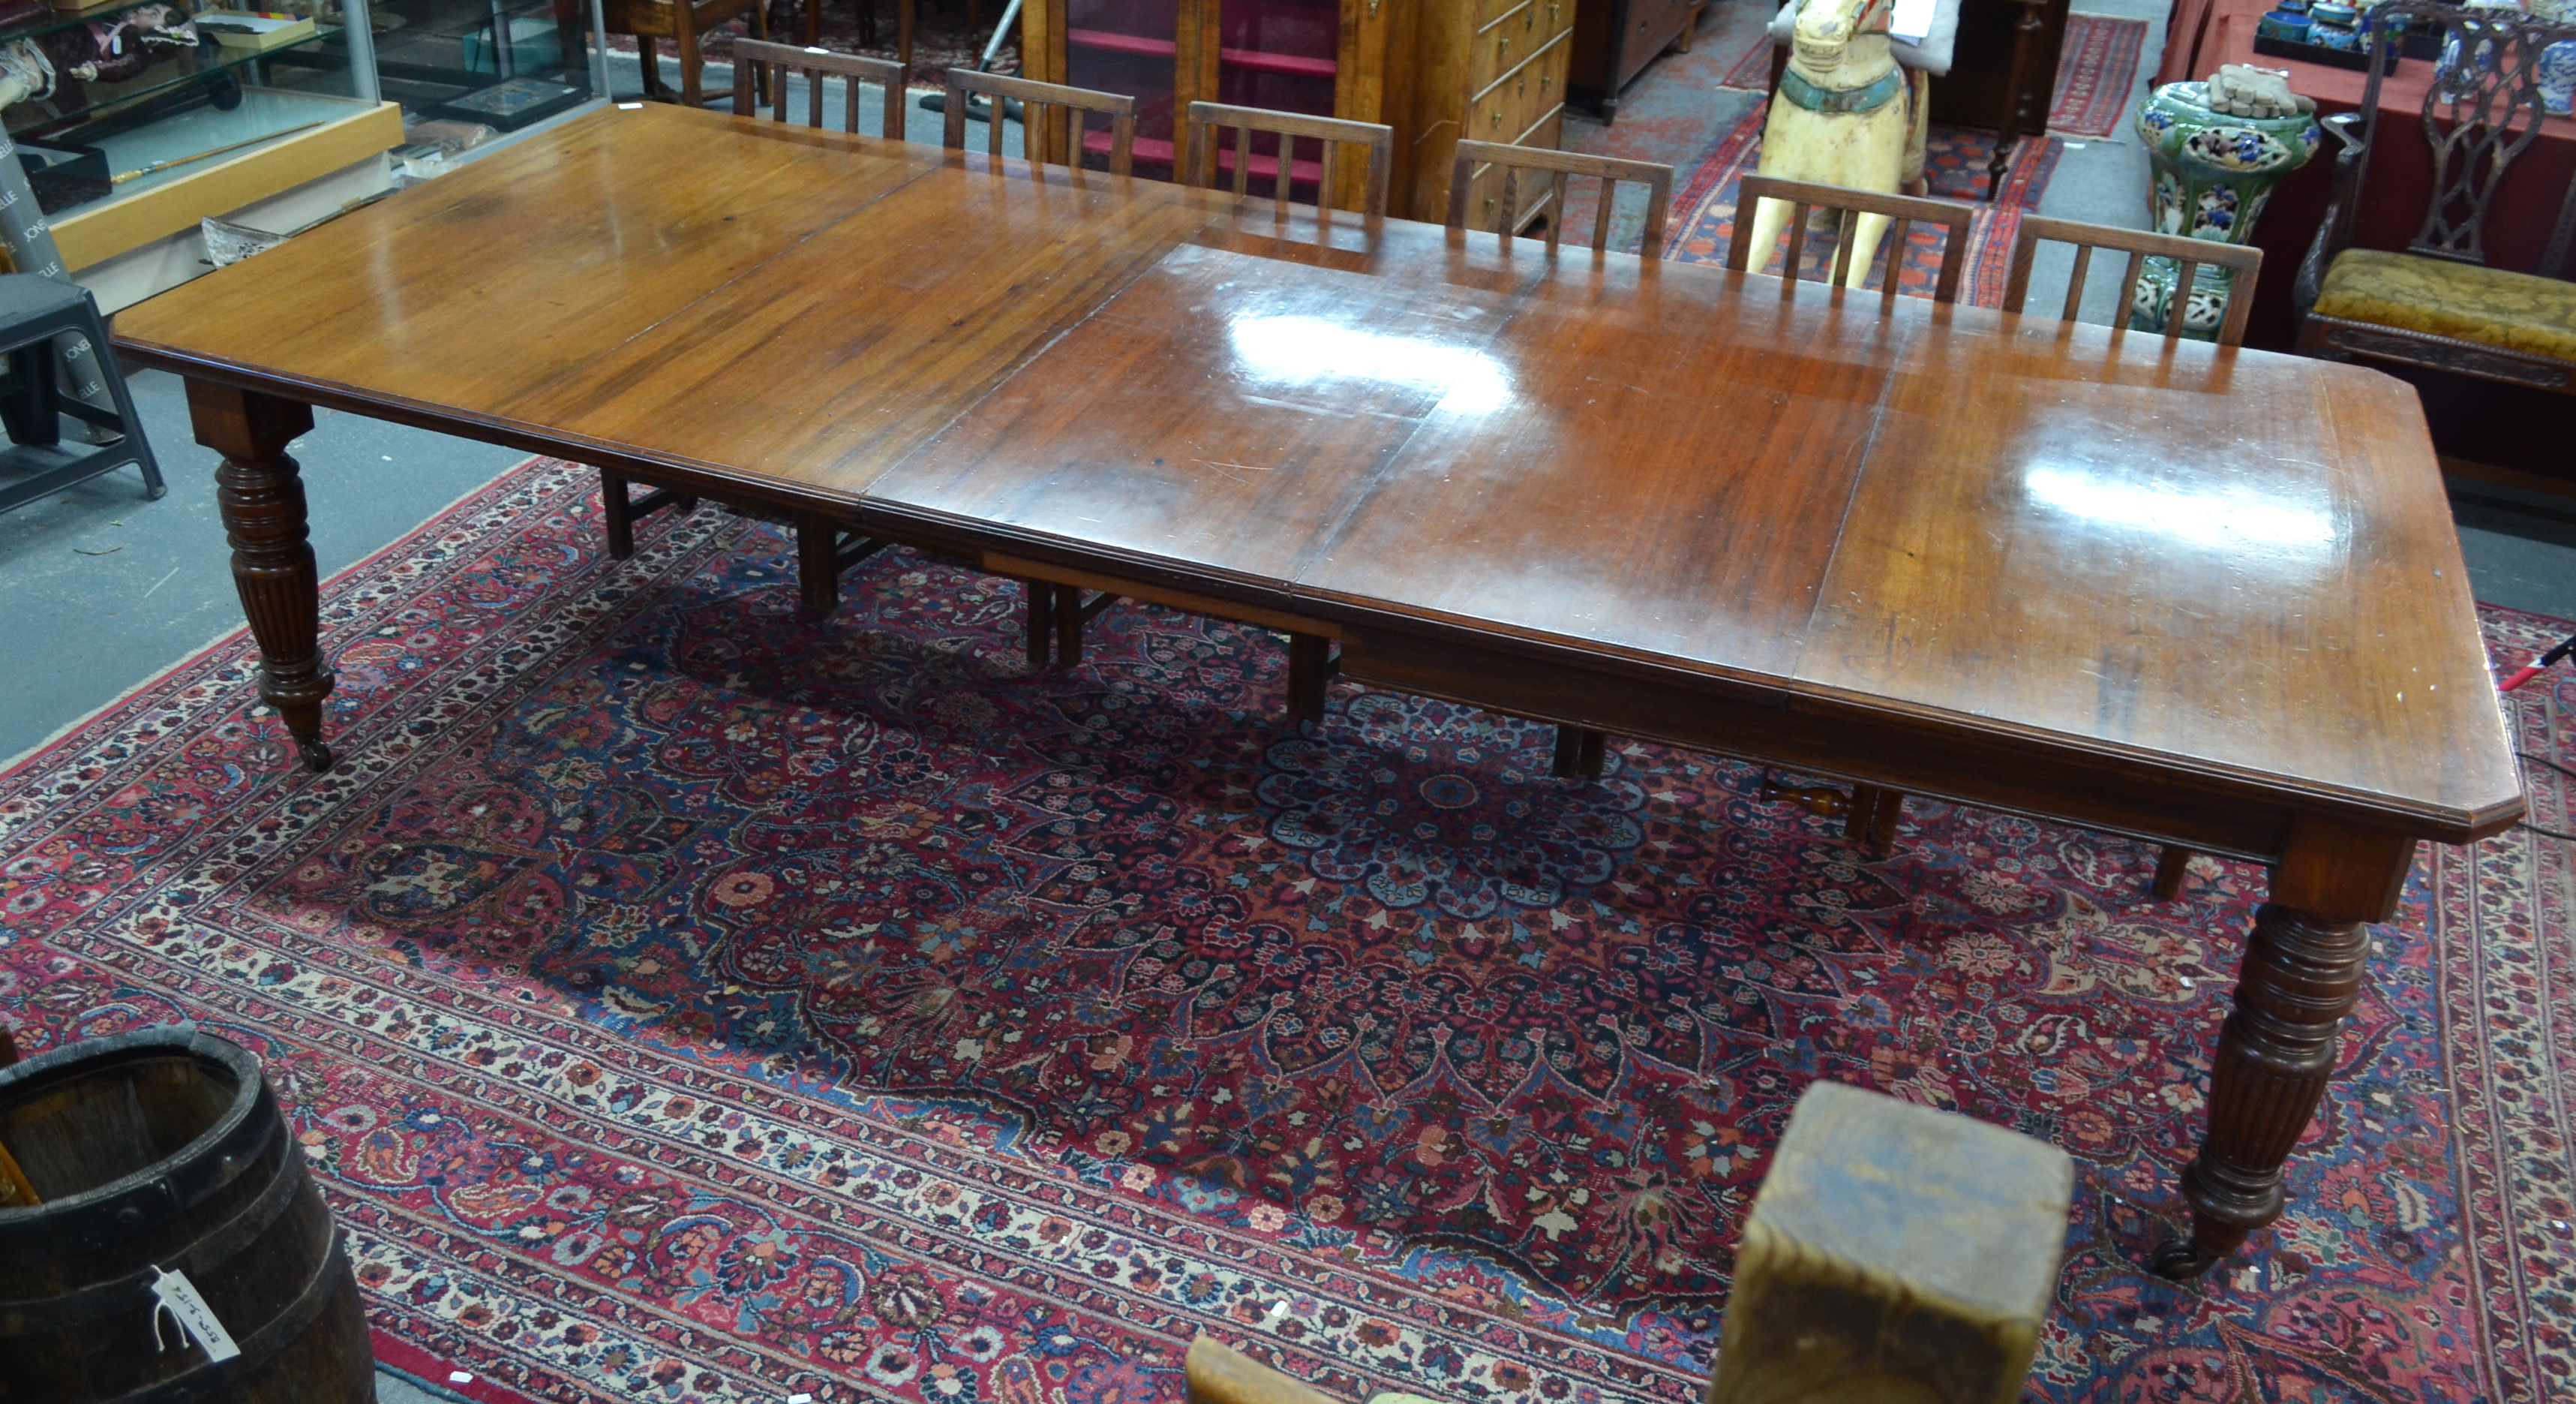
(1503, 46)
(1498, 117)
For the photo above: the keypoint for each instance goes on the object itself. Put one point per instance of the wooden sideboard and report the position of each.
(1614, 40)
(1491, 70)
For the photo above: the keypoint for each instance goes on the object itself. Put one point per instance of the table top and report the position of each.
(2215, 564)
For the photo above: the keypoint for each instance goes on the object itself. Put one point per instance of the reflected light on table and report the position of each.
(2238, 519)
(1301, 349)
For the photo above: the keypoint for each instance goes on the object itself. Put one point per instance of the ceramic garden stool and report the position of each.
(2212, 174)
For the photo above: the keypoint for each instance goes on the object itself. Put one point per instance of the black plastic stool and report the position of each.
(33, 311)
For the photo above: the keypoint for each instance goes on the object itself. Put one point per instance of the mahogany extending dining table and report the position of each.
(2199, 596)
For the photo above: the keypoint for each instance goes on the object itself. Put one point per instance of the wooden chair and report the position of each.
(1051, 107)
(1579, 750)
(1209, 120)
(2438, 303)
(754, 58)
(1557, 165)
(823, 550)
(2140, 245)
(1803, 196)
(684, 23)
(1063, 607)
(1871, 813)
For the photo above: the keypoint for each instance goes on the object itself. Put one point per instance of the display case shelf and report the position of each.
(193, 68)
(55, 21)
(1265, 61)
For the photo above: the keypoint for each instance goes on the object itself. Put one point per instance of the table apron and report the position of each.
(1898, 750)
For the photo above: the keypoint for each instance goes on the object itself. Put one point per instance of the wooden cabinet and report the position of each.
(1434, 70)
(2005, 68)
(1493, 70)
(1316, 56)
(1614, 40)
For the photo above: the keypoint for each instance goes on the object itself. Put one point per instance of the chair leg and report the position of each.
(1579, 753)
(619, 513)
(1871, 820)
(1038, 603)
(1311, 666)
(153, 488)
(1068, 625)
(647, 50)
(818, 566)
(622, 510)
(692, 64)
(2170, 866)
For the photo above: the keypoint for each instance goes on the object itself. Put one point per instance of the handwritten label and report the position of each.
(189, 1312)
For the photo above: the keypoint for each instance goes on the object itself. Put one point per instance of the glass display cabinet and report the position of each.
(1288, 55)
(1431, 69)
(134, 119)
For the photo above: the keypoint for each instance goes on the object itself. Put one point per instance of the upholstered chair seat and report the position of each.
(2464, 301)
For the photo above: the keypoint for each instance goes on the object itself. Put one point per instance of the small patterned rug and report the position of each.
(680, 1000)
(1955, 168)
(2095, 72)
(1752, 72)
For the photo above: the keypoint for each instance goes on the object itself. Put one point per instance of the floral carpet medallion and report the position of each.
(682, 1000)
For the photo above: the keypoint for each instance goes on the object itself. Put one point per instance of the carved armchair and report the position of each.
(2439, 303)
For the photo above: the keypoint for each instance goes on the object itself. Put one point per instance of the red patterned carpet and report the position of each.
(2095, 71)
(681, 1001)
(1954, 167)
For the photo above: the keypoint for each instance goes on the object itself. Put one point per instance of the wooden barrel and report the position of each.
(156, 1155)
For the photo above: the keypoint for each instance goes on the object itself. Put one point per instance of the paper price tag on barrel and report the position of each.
(188, 1311)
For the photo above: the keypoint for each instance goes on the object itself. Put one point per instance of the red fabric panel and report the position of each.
(2400, 179)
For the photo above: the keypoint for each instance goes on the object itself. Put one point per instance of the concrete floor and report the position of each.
(102, 590)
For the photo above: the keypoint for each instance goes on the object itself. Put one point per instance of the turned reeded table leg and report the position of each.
(2304, 966)
(263, 505)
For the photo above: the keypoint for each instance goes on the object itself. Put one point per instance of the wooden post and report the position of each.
(1895, 1252)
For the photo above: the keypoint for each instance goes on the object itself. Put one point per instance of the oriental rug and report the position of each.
(682, 1000)
(2095, 71)
(1954, 167)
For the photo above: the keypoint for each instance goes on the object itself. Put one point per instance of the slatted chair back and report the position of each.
(1555, 166)
(1904, 210)
(751, 57)
(2140, 245)
(1054, 117)
(1208, 122)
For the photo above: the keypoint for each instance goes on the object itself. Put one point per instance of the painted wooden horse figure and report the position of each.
(1846, 115)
